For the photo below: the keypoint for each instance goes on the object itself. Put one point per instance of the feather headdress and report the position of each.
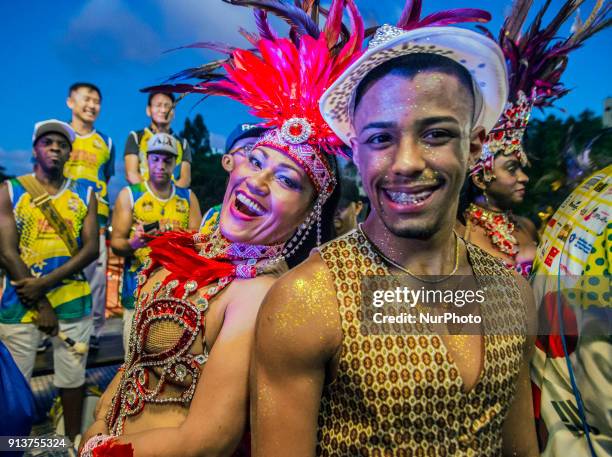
(282, 79)
(536, 60)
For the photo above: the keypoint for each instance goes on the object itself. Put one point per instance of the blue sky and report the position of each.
(119, 45)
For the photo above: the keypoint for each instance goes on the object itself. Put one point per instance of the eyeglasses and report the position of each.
(243, 150)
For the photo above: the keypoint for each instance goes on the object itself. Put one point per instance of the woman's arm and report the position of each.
(217, 415)
(99, 425)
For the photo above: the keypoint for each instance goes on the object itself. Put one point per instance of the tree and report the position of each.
(207, 175)
(559, 160)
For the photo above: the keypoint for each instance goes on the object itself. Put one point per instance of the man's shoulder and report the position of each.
(305, 287)
(311, 270)
(107, 139)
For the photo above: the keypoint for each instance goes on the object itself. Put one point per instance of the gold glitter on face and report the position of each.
(412, 145)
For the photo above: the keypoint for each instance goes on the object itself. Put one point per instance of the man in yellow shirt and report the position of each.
(156, 204)
(44, 252)
(160, 109)
(92, 162)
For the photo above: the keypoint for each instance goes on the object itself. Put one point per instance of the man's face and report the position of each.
(51, 152)
(160, 110)
(346, 215)
(85, 104)
(412, 144)
(161, 166)
(238, 153)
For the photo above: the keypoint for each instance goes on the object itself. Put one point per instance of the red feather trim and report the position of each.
(177, 252)
(111, 448)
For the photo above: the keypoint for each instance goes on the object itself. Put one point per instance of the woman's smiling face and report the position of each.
(267, 197)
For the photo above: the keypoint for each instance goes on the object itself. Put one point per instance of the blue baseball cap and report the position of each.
(241, 131)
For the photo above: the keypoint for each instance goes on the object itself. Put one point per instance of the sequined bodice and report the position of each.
(164, 328)
(402, 394)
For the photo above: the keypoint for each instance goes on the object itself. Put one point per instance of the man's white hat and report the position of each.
(53, 126)
(480, 55)
(162, 142)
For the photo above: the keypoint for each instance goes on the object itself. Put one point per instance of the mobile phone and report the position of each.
(147, 228)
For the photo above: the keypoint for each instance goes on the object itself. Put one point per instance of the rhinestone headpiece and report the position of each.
(507, 136)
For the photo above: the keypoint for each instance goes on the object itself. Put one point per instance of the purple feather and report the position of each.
(297, 18)
(455, 16)
(214, 46)
(263, 26)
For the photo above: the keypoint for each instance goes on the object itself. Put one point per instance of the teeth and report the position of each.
(254, 206)
(403, 197)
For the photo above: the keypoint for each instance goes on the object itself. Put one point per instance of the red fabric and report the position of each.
(111, 448)
(176, 251)
(549, 340)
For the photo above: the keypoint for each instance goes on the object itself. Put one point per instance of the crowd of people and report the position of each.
(247, 330)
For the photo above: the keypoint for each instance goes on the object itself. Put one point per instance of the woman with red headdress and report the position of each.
(183, 389)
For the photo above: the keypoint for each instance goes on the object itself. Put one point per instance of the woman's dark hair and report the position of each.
(328, 231)
(469, 194)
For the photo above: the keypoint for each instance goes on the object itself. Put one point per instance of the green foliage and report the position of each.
(553, 145)
(207, 175)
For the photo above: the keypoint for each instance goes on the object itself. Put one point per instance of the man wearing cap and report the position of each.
(331, 378)
(349, 207)
(146, 208)
(238, 144)
(49, 233)
(160, 109)
(92, 162)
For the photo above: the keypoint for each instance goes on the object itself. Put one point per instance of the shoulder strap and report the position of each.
(42, 200)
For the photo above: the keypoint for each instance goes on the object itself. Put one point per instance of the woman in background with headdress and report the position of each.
(184, 387)
(497, 182)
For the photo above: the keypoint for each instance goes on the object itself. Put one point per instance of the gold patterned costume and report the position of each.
(401, 395)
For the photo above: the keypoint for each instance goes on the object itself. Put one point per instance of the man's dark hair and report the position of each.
(170, 95)
(409, 65)
(76, 86)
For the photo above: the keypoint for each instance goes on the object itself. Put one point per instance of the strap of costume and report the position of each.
(42, 200)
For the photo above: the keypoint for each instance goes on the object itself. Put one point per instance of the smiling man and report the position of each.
(92, 162)
(415, 109)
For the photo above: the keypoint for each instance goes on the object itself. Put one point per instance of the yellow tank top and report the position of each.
(143, 164)
(92, 162)
(43, 250)
(172, 213)
(401, 395)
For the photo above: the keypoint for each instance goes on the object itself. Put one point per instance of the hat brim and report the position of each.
(163, 151)
(480, 55)
(61, 128)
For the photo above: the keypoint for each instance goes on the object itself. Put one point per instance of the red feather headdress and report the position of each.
(536, 61)
(282, 79)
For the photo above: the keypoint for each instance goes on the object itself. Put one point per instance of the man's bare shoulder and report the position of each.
(301, 307)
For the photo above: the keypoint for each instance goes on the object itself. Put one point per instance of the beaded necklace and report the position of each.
(498, 227)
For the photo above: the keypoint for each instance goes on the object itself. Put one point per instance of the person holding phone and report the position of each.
(152, 206)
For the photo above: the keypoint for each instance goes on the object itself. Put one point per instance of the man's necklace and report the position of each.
(406, 270)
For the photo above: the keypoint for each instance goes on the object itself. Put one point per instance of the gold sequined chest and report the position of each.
(401, 395)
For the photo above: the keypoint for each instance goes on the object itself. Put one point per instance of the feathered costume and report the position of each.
(536, 60)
